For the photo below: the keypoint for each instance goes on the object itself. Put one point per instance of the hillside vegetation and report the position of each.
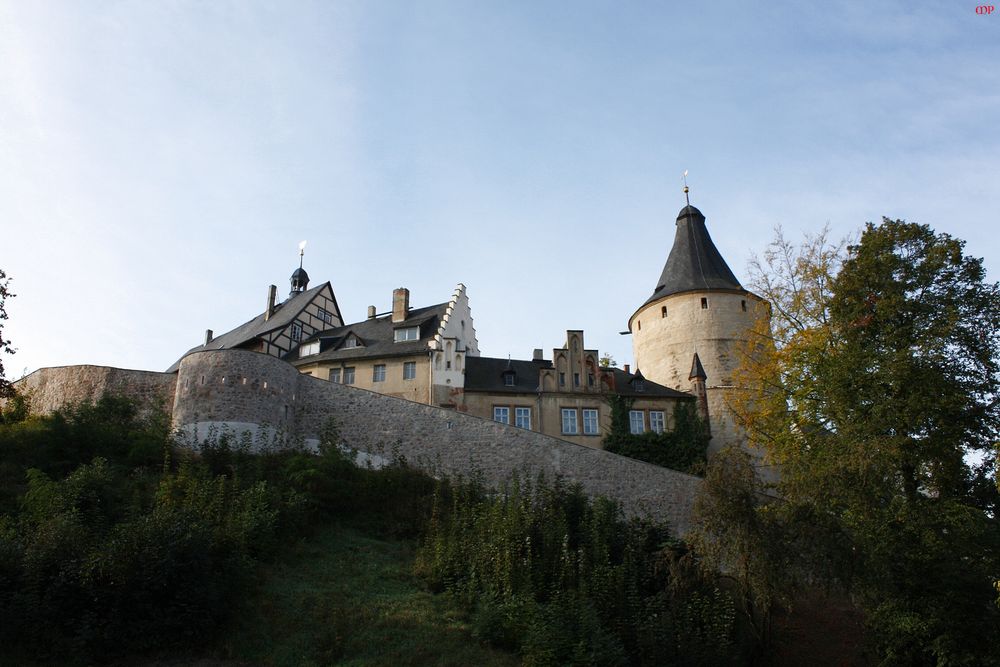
(115, 544)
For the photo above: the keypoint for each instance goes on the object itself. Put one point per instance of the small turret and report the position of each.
(698, 378)
(299, 279)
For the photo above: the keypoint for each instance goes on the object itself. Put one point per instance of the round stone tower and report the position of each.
(698, 309)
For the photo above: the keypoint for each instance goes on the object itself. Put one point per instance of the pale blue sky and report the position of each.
(160, 161)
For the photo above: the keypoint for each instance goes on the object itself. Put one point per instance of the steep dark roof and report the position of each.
(376, 335)
(283, 314)
(486, 374)
(694, 262)
(625, 383)
(697, 370)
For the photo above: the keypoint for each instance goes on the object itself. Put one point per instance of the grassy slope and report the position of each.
(347, 598)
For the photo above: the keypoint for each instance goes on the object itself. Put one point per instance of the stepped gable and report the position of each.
(694, 263)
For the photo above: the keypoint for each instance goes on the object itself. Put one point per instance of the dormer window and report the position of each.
(309, 349)
(509, 378)
(353, 341)
(408, 333)
(639, 385)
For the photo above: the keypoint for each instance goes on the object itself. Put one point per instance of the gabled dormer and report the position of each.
(351, 340)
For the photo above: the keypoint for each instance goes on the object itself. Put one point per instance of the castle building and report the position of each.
(417, 354)
(692, 330)
(687, 338)
(565, 396)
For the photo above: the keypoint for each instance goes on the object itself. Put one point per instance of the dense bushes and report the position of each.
(113, 541)
(565, 580)
(87, 570)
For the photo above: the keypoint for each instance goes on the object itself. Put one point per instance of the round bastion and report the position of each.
(249, 397)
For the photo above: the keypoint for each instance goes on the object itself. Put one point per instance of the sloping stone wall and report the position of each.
(248, 392)
(445, 442)
(50, 389)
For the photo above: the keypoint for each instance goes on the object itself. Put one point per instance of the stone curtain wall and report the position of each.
(445, 442)
(50, 389)
(244, 392)
(247, 392)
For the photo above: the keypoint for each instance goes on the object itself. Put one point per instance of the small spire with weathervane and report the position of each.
(300, 279)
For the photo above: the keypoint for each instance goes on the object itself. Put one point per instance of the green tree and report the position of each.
(733, 537)
(6, 389)
(877, 398)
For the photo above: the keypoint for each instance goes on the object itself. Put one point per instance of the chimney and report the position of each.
(400, 304)
(272, 294)
(208, 336)
(627, 369)
(371, 312)
(537, 354)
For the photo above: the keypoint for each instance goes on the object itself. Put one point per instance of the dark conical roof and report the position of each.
(694, 262)
(697, 370)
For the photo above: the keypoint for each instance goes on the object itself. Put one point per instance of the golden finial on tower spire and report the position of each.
(685, 177)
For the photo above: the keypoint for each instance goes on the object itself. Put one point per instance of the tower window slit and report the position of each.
(704, 303)
(663, 311)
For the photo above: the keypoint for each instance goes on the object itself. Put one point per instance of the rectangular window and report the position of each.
(296, 331)
(508, 379)
(636, 423)
(663, 311)
(351, 342)
(409, 333)
(378, 373)
(569, 426)
(409, 370)
(704, 302)
(349, 375)
(743, 305)
(657, 421)
(501, 414)
(309, 349)
(334, 375)
(522, 418)
(590, 379)
(325, 316)
(576, 379)
(562, 379)
(590, 426)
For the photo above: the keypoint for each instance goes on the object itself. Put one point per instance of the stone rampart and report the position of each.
(445, 442)
(50, 389)
(252, 394)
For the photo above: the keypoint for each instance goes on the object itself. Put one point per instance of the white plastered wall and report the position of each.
(454, 341)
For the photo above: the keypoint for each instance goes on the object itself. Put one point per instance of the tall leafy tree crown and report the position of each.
(912, 370)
